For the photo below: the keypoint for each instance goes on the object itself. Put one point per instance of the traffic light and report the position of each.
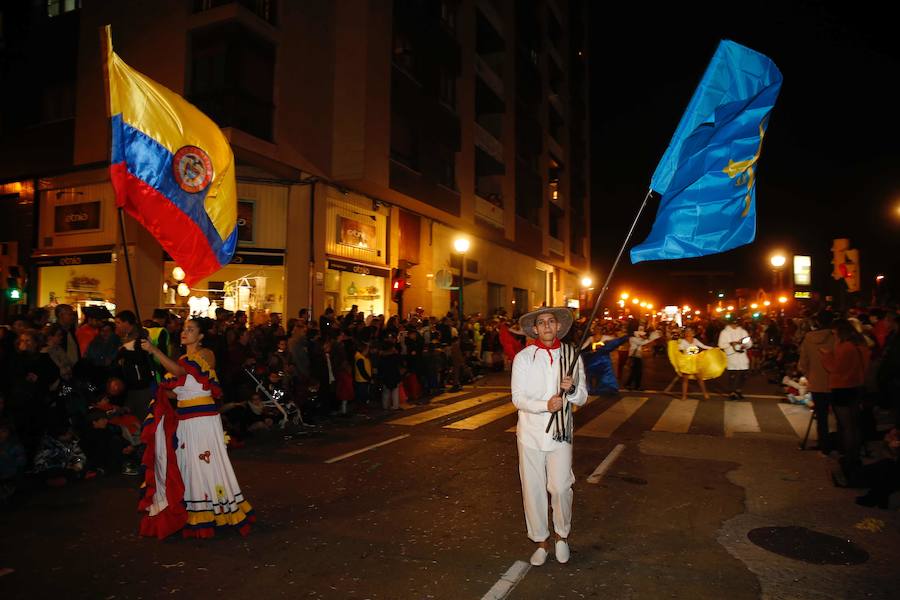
(851, 270)
(399, 284)
(846, 264)
(838, 248)
(14, 283)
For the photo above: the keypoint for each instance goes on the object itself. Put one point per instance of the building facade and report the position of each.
(368, 135)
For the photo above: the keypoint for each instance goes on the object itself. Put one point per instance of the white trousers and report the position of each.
(542, 472)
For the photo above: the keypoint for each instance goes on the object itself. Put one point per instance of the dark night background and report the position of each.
(829, 164)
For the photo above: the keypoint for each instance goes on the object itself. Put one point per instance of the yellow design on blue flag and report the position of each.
(172, 169)
(707, 176)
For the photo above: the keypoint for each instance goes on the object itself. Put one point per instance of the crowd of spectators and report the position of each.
(73, 395)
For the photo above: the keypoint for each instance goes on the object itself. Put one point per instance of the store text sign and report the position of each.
(356, 234)
(77, 218)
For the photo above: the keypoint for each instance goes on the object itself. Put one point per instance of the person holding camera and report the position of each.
(735, 341)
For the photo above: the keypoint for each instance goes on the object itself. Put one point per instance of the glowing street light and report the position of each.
(767, 303)
(730, 307)
(686, 308)
(586, 282)
(782, 299)
(650, 306)
(754, 306)
(777, 260)
(634, 300)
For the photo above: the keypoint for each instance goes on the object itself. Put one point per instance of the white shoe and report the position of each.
(562, 551)
(539, 557)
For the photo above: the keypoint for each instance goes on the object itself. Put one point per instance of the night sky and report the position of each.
(830, 163)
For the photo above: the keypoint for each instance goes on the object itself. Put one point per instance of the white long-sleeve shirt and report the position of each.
(736, 355)
(534, 381)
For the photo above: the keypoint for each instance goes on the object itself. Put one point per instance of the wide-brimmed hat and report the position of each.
(562, 314)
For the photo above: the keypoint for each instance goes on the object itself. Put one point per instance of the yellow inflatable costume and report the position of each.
(708, 364)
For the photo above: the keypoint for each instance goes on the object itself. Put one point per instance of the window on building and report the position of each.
(59, 7)
(233, 78)
(448, 88)
(264, 9)
(404, 141)
(404, 54)
(447, 174)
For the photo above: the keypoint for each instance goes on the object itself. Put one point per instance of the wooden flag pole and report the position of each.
(612, 271)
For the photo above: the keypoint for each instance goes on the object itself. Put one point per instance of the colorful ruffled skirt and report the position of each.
(189, 484)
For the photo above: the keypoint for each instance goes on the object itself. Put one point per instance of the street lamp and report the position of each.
(777, 261)
(461, 245)
(586, 282)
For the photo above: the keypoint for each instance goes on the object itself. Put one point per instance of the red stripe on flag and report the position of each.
(174, 230)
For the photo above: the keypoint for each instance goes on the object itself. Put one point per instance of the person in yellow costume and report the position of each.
(693, 359)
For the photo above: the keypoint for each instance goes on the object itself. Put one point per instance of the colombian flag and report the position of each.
(172, 169)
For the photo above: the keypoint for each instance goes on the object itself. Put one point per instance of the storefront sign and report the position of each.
(802, 270)
(803, 295)
(339, 265)
(356, 234)
(70, 260)
(77, 218)
(245, 215)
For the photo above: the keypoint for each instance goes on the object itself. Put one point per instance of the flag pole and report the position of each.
(106, 52)
(612, 271)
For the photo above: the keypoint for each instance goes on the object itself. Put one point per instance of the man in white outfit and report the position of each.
(735, 341)
(544, 393)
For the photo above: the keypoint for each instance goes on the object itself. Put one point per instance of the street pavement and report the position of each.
(425, 503)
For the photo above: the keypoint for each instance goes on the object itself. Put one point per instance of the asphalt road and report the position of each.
(435, 512)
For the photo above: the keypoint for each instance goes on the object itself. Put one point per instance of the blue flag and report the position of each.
(707, 176)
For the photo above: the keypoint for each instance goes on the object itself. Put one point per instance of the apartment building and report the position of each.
(368, 136)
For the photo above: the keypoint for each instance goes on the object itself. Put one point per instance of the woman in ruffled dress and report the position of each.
(189, 484)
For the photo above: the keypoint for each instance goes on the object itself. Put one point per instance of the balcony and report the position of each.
(557, 247)
(487, 74)
(489, 212)
(487, 142)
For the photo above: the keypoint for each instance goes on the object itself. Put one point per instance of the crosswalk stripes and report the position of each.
(678, 416)
(603, 425)
(443, 411)
(483, 418)
(574, 409)
(798, 417)
(625, 414)
(739, 418)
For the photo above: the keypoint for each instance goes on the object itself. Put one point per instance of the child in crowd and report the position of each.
(106, 448)
(59, 457)
(130, 424)
(243, 418)
(12, 462)
(797, 390)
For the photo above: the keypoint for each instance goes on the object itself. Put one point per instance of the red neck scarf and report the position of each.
(553, 346)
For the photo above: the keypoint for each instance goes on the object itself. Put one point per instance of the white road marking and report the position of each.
(740, 418)
(603, 467)
(606, 423)
(366, 449)
(715, 395)
(575, 408)
(799, 416)
(443, 411)
(483, 418)
(508, 581)
(678, 416)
